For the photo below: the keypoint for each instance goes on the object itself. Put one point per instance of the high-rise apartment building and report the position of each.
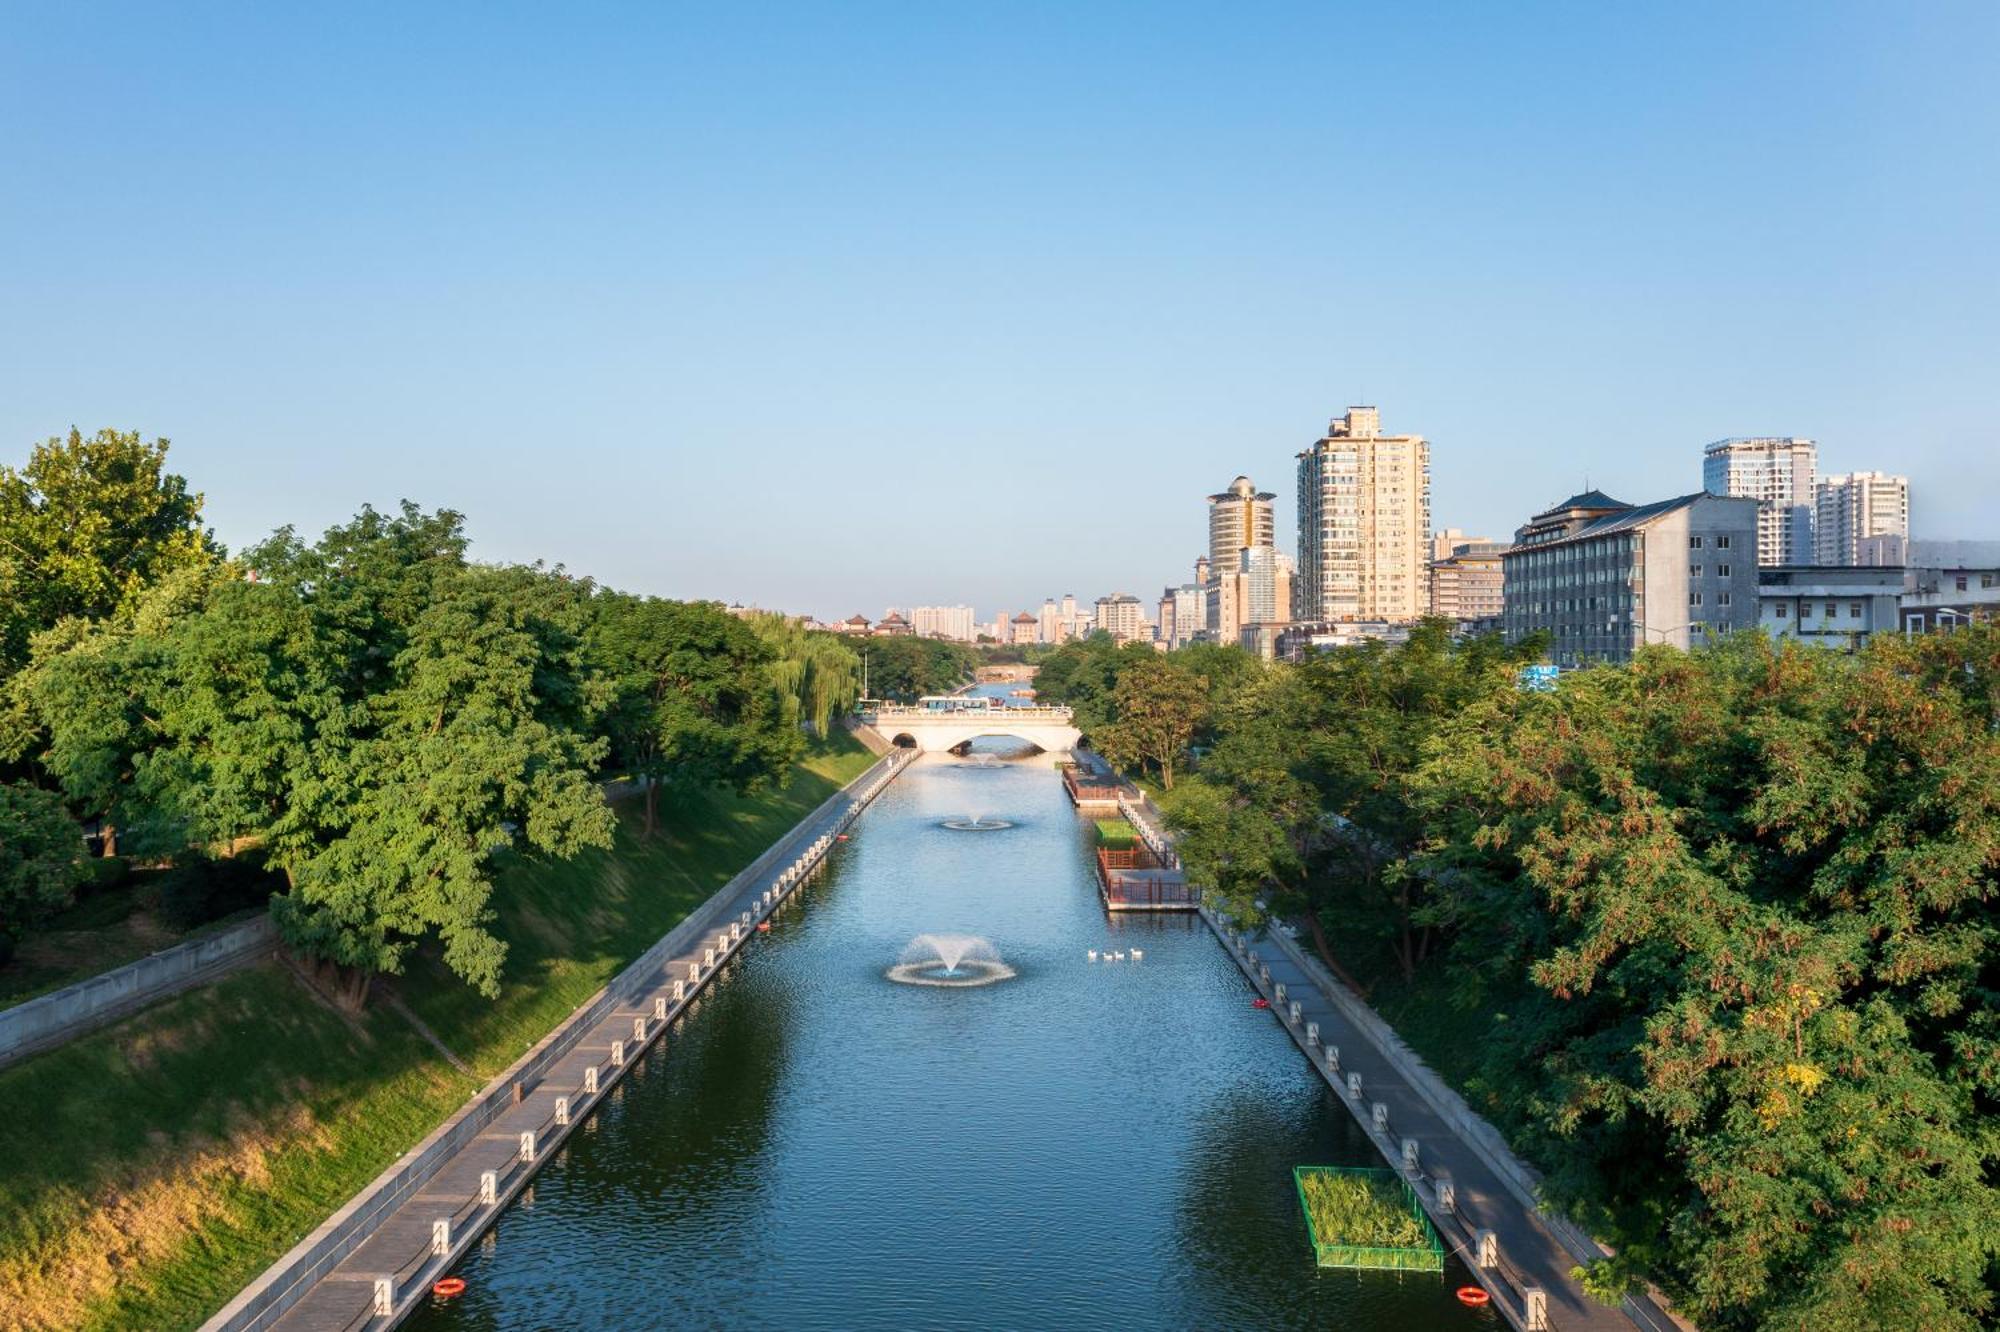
(1123, 616)
(1364, 522)
(1603, 578)
(1861, 518)
(1239, 519)
(1182, 614)
(955, 622)
(1779, 473)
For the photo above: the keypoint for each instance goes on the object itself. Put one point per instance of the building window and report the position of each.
(1722, 543)
(1961, 582)
(1780, 610)
(1694, 598)
(1832, 611)
(1722, 571)
(1694, 571)
(1722, 598)
(1853, 610)
(1694, 543)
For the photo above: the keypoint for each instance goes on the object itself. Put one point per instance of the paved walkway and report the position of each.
(1530, 1255)
(421, 1239)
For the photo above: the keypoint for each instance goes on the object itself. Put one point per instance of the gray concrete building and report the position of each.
(1837, 606)
(1779, 472)
(1602, 577)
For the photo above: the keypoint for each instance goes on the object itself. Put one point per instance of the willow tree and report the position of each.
(819, 675)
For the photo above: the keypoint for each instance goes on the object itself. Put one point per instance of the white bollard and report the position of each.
(1265, 973)
(1381, 1114)
(638, 1030)
(1295, 1012)
(489, 1187)
(1486, 1249)
(745, 920)
(708, 957)
(736, 932)
(590, 1080)
(1410, 1154)
(680, 990)
(441, 1236)
(1312, 1033)
(659, 1008)
(562, 1109)
(528, 1146)
(1447, 1197)
(385, 1297)
(1354, 1084)
(1536, 1301)
(618, 1052)
(1279, 992)
(1333, 1059)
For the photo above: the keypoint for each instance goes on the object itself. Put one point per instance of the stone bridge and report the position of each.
(936, 731)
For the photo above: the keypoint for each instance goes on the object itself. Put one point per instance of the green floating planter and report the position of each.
(1366, 1217)
(1116, 834)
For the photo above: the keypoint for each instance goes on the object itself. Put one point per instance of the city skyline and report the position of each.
(832, 266)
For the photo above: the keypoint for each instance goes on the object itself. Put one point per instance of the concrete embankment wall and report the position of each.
(53, 1019)
(260, 1304)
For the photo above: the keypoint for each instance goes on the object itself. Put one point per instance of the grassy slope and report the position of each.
(153, 1168)
(107, 929)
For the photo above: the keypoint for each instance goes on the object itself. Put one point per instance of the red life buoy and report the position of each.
(763, 927)
(841, 838)
(1473, 1296)
(1260, 1003)
(446, 1287)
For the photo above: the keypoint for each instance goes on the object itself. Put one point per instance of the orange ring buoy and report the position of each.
(763, 927)
(446, 1287)
(1473, 1296)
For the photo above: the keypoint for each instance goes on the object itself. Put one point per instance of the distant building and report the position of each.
(1024, 628)
(1860, 517)
(1239, 519)
(1050, 625)
(953, 622)
(1779, 473)
(1294, 641)
(1602, 577)
(854, 624)
(1940, 600)
(1364, 522)
(1123, 617)
(893, 625)
(1465, 578)
(1839, 606)
(1182, 614)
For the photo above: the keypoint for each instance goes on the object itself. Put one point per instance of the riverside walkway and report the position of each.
(373, 1262)
(1479, 1195)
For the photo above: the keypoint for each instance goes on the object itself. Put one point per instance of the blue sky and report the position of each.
(838, 307)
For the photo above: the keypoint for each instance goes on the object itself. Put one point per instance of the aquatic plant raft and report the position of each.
(1363, 1217)
(1116, 834)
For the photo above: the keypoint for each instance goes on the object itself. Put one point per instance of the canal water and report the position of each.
(1105, 1144)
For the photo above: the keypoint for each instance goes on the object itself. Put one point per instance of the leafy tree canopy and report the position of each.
(41, 859)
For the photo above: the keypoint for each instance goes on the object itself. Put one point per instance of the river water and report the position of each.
(1108, 1144)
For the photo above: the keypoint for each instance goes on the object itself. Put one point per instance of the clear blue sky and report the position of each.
(837, 307)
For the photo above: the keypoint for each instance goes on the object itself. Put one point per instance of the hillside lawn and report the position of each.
(155, 1167)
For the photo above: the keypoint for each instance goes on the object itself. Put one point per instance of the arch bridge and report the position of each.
(940, 730)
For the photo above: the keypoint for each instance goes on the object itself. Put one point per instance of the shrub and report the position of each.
(200, 890)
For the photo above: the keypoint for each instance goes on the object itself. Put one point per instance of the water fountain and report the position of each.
(952, 960)
(977, 823)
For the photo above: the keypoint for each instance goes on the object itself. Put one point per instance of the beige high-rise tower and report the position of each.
(1239, 519)
(1364, 522)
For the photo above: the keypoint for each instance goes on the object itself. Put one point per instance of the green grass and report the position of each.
(1116, 834)
(106, 929)
(155, 1167)
(1365, 1208)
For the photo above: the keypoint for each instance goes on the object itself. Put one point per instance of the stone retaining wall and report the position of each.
(54, 1019)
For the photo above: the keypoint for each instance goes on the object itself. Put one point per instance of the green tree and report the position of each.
(381, 716)
(1160, 705)
(85, 527)
(1754, 891)
(696, 700)
(41, 859)
(819, 675)
(906, 668)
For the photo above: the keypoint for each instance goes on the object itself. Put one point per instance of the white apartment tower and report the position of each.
(944, 622)
(1779, 473)
(1239, 520)
(1364, 523)
(1852, 509)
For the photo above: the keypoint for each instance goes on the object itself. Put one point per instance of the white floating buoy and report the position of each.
(1093, 954)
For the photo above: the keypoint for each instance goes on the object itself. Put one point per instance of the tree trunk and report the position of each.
(652, 808)
(353, 992)
(1325, 951)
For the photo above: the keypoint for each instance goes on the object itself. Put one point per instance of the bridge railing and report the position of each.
(948, 716)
